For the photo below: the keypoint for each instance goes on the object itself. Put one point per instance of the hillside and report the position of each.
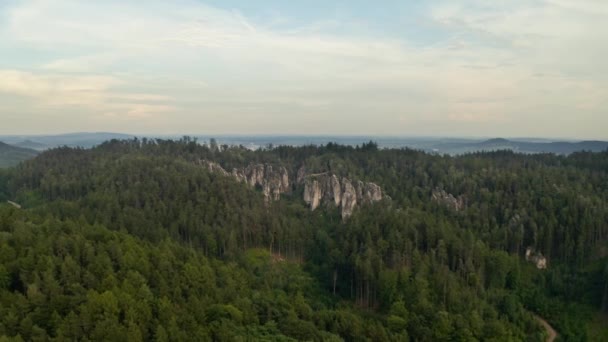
(43, 142)
(520, 146)
(13, 155)
(34, 145)
(441, 145)
(173, 240)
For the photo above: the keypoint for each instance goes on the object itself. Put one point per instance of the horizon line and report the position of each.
(301, 135)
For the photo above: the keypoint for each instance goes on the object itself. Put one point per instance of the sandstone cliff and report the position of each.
(328, 189)
(536, 258)
(319, 188)
(447, 199)
(273, 181)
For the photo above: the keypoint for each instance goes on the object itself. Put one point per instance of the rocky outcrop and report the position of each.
(272, 181)
(255, 174)
(328, 189)
(447, 199)
(313, 194)
(319, 188)
(336, 191)
(14, 204)
(214, 167)
(536, 258)
(371, 192)
(349, 198)
(301, 175)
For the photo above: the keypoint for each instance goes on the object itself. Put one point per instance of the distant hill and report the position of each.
(42, 142)
(33, 145)
(495, 141)
(13, 155)
(564, 147)
(557, 147)
(440, 145)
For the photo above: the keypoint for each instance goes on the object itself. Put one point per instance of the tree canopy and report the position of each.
(134, 240)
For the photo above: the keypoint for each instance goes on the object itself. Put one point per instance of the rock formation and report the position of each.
(273, 181)
(349, 198)
(312, 194)
(325, 188)
(537, 258)
(447, 199)
(14, 204)
(214, 167)
(336, 190)
(319, 188)
(301, 175)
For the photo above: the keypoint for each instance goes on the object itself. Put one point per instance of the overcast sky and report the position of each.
(439, 68)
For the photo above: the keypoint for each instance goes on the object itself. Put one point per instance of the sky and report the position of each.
(509, 68)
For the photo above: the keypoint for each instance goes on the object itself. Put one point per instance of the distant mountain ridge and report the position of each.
(451, 146)
(12, 155)
(44, 142)
(557, 147)
(496, 141)
(34, 145)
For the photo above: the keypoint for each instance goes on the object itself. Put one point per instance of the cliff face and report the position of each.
(328, 189)
(349, 198)
(273, 181)
(537, 258)
(447, 199)
(320, 188)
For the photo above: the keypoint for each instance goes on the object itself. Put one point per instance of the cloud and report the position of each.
(138, 111)
(82, 63)
(91, 93)
(189, 66)
(558, 36)
(56, 90)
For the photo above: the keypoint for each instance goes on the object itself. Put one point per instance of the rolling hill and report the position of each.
(43, 142)
(32, 145)
(12, 155)
(527, 147)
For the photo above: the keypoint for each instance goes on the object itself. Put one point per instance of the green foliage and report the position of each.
(135, 240)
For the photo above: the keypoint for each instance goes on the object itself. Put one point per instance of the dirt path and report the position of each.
(552, 333)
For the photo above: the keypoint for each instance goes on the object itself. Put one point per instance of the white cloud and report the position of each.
(556, 36)
(56, 89)
(92, 94)
(503, 62)
(82, 63)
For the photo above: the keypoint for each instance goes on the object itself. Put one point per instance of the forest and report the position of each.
(133, 240)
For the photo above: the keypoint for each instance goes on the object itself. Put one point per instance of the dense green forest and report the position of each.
(135, 240)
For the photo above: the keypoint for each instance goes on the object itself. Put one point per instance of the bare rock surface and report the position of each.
(319, 188)
(537, 258)
(345, 194)
(449, 200)
(272, 181)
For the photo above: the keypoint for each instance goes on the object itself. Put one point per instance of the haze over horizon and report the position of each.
(365, 137)
(439, 68)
